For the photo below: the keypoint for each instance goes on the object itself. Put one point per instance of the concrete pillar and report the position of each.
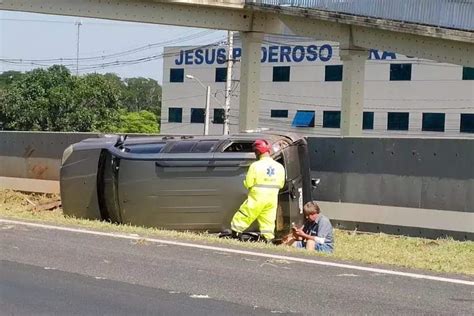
(353, 76)
(250, 80)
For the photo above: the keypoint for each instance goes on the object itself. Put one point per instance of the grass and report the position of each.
(441, 255)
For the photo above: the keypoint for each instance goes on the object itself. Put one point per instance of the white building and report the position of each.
(301, 91)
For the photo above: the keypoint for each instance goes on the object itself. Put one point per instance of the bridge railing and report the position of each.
(457, 14)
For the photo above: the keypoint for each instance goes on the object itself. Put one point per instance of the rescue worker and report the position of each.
(264, 180)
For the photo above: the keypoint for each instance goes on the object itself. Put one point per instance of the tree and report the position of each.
(137, 122)
(142, 94)
(9, 77)
(54, 100)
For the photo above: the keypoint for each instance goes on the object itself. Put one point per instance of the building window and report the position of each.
(303, 119)
(368, 120)
(281, 73)
(221, 74)
(332, 119)
(219, 116)
(279, 113)
(197, 115)
(400, 72)
(176, 75)
(467, 73)
(333, 73)
(433, 122)
(175, 115)
(467, 123)
(397, 121)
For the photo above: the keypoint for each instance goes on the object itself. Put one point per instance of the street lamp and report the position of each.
(208, 97)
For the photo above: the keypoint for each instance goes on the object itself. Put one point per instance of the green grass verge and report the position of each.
(441, 255)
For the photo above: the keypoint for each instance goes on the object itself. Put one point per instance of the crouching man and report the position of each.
(317, 231)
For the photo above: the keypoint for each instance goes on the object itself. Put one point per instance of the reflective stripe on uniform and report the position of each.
(237, 228)
(268, 186)
(240, 211)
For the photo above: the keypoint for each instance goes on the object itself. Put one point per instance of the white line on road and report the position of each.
(244, 252)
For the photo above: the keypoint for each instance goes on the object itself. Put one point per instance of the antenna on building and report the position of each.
(228, 82)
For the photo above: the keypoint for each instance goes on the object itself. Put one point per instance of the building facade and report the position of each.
(300, 91)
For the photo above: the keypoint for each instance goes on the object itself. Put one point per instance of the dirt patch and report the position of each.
(23, 201)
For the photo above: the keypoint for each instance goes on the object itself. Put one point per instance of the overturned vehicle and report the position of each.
(177, 182)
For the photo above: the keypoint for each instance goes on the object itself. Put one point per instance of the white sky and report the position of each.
(29, 38)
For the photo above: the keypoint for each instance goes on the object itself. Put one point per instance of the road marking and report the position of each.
(244, 252)
(199, 296)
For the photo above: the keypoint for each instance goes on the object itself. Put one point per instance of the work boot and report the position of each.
(236, 235)
(226, 233)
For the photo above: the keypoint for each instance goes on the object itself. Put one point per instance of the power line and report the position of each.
(111, 64)
(118, 54)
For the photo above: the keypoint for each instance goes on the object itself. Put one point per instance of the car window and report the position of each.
(153, 148)
(182, 147)
(205, 146)
(245, 146)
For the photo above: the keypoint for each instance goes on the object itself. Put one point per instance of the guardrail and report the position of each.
(457, 14)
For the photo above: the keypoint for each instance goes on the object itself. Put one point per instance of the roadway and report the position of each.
(45, 271)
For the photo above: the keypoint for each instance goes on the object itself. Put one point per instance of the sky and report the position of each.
(29, 40)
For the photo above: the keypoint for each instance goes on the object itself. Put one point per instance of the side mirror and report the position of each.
(315, 182)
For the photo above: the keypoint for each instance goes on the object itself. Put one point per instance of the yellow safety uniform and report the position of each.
(264, 180)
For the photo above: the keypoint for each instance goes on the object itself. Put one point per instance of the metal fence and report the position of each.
(457, 14)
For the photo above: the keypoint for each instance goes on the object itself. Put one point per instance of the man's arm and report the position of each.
(283, 178)
(302, 234)
(249, 181)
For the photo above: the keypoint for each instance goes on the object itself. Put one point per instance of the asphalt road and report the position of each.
(55, 272)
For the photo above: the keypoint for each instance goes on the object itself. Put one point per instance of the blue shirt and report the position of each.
(321, 228)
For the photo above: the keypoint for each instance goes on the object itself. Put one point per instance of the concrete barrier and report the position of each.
(35, 155)
(412, 186)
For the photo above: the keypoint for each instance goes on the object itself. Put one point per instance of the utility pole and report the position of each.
(228, 82)
(78, 23)
(206, 113)
(208, 102)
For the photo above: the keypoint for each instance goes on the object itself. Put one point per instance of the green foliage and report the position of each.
(8, 77)
(54, 100)
(137, 122)
(142, 94)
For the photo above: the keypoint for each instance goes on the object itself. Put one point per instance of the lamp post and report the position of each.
(208, 99)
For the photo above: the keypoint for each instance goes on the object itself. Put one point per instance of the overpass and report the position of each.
(440, 30)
